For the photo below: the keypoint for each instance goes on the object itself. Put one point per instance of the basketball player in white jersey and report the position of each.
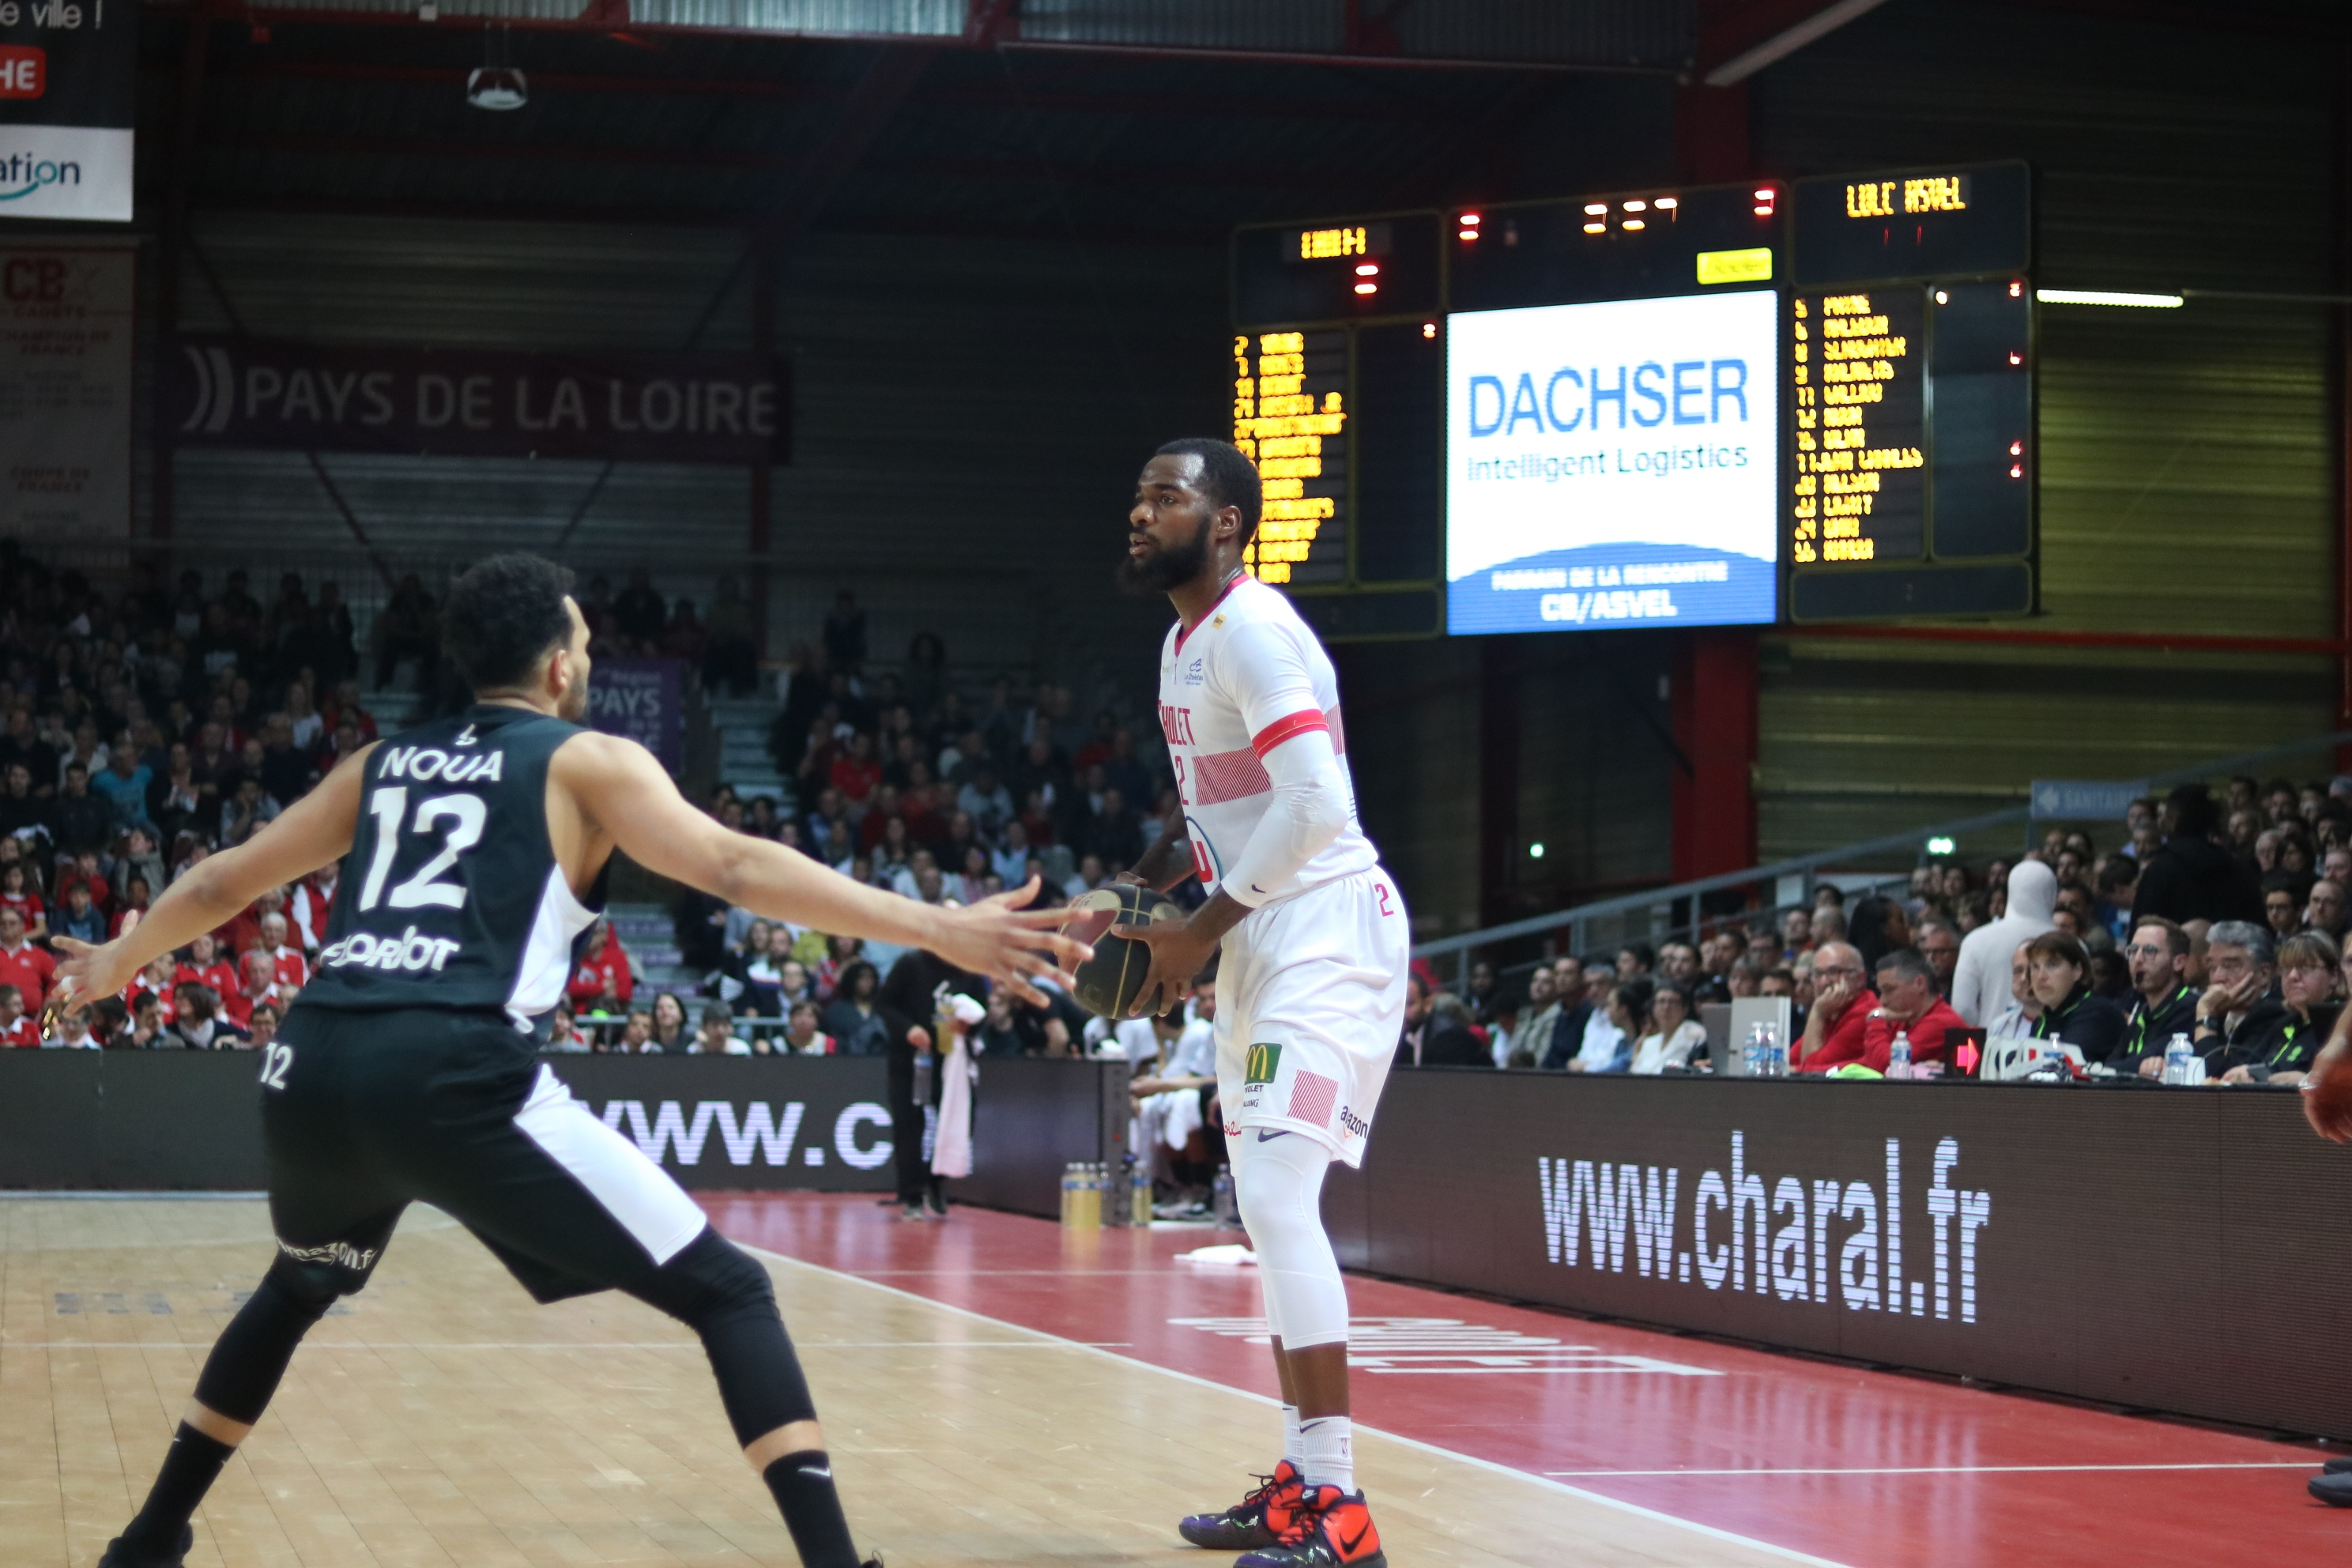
(1310, 986)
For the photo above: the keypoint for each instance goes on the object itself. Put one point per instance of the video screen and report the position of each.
(1612, 464)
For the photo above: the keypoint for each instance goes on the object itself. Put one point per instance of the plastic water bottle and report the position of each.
(2177, 1058)
(1070, 1195)
(1898, 1056)
(1139, 1193)
(1227, 1208)
(1776, 1051)
(1756, 1055)
(1087, 1210)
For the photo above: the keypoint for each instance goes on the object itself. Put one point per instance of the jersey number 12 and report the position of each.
(464, 813)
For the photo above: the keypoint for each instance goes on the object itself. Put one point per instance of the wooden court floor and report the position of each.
(441, 1418)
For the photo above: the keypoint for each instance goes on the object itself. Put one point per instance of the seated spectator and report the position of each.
(1677, 963)
(1635, 958)
(148, 1030)
(563, 1034)
(73, 1032)
(1619, 1011)
(1538, 1015)
(1939, 942)
(27, 968)
(1842, 1002)
(2241, 1018)
(17, 893)
(635, 1033)
(2325, 911)
(1908, 1006)
(2307, 963)
(80, 918)
(2284, 894)
(257, 982)
(803, 1038)
(1450, 1041)
(857, 1018)
(604, 968)
(1874, 928)
(293, 971)
(1415, 1029)
(197, 1024)
(2117, 881)
(18, 1030)
(2164, 1003)
(717, 1037)
(669, 1034)
(205, 967)
(2059, 971)
(1672, 1033)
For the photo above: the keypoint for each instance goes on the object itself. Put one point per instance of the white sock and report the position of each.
(1330, 1452)
(1290, 1448)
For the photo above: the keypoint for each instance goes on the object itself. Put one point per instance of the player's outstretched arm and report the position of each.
(305, 835)
(2328, 1088)
(626, 795)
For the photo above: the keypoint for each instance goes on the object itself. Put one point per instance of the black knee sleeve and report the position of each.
(723, 1294)
(250, 1357)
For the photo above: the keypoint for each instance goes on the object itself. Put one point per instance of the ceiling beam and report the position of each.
(1738, 41)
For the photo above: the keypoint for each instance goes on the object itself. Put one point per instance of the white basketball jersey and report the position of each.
(1249, 677)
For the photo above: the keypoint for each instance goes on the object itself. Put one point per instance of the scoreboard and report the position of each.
(1729, 404)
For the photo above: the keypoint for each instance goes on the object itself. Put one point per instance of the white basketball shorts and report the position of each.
(1310, 1004)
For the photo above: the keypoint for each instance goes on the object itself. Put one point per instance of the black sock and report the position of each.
(803, 1487)
(189, 1470)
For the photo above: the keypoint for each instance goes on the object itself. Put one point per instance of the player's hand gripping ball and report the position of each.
(1109, 982)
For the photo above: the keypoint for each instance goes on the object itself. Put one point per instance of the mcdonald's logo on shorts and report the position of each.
(1264, 1061)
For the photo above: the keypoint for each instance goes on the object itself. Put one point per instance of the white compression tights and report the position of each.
(1280, 1184)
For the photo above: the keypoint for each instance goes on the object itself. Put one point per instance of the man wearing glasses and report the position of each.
(1843, 1003)
(2166, 1005)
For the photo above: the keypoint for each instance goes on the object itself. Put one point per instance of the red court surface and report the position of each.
(1870, 1470)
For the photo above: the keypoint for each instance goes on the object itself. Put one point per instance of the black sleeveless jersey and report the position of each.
(451, 897)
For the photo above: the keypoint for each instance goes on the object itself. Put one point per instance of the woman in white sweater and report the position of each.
(1673, 1034)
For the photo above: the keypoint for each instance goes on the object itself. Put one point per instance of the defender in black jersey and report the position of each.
(476, 851)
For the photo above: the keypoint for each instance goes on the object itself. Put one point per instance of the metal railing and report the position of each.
(1579, 919)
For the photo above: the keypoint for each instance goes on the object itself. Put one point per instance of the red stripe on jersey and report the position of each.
(1228, 776)
(1338, 735)
(1286, 727)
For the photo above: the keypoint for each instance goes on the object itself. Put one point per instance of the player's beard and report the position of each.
(1169, 566)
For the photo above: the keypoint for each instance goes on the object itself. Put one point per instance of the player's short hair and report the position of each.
(502, 615)
(1229, 478)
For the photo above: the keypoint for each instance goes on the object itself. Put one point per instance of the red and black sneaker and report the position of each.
(1328, 1529)
(1258, 1520)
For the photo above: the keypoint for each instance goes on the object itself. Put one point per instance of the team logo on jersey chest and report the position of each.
(1192, 671)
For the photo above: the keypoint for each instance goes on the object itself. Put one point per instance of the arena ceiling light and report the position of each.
(2109, 297)
(497, 87)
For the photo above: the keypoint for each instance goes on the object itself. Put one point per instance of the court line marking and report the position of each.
(561, 1344)
(1786, 1553)
(1974, 1469)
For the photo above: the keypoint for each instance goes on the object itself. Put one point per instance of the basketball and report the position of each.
(1109, 982)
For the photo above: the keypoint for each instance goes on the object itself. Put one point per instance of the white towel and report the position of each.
(952, 1156)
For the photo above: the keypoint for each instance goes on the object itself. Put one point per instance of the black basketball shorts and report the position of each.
(364, 1113)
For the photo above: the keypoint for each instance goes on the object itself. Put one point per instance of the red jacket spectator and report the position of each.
(313, 902)
(1843, 1003)
(1925, 1035)
(855, 773)
(25, 966)
(605, 959)
(18, 1030)
(205, 967)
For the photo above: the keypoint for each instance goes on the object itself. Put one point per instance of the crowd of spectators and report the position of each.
(2219, 918)
(139, 733)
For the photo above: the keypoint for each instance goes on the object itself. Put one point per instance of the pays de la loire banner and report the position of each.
(68, 85)
(668, 408)
(644, 698)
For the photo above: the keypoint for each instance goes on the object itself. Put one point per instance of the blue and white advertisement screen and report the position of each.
(1612, 464)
